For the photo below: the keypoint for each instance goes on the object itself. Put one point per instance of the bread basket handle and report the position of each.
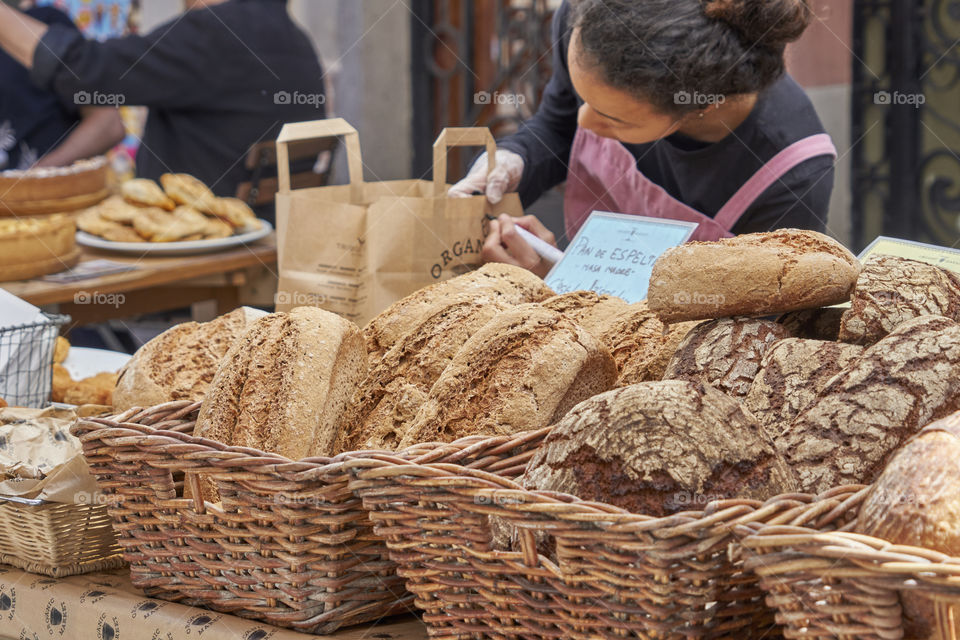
(459, 137)
(316, 129)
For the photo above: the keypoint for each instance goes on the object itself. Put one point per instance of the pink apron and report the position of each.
(603, 176)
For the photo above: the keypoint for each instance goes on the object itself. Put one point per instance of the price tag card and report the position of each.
(940, 256)
(614, 254)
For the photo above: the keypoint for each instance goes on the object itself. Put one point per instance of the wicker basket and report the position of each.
(583, 570)
(57, 539)
(289, 544)
(826, 582)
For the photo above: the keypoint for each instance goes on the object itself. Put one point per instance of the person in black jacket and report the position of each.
(217, 79)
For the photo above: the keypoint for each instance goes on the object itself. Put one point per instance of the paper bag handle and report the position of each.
(316, 129)
(459, 137)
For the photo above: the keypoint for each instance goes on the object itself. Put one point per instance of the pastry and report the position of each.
(146, 193)
(216, 229)
(157, 225)
(236, 213)
(116, 209)
(187, 190)
(93, 223)
(61, 350)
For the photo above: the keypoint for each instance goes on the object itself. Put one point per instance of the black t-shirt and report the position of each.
(32, 120)
(702, 175)
(217, 81)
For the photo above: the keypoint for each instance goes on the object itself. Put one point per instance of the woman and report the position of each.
(676, 109)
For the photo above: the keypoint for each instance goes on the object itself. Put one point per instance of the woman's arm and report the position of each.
(20, 34)
(100, 129)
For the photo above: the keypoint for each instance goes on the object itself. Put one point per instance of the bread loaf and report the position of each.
(180, 363)
(792, 373)
(867, 410)
(814, 324)
(503, 282)
(523, 370)
(657, 448)
(285, 384)
(386, 403)
(916, 502)
(753, 274)
(891, 291)
(725, 353)
(592, 311)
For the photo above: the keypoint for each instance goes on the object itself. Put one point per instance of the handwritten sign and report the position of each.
(614, 254)
(939, 256)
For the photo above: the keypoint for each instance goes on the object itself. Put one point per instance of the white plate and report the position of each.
(83, 362)
(175, 248)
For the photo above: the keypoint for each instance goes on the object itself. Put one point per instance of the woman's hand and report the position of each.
(505, 177)
(505, 245)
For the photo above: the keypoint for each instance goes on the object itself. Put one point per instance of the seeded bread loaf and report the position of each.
(590, 310)
(792, 373)
(814, 324)
(180, 363)
(916, 502)
(388, 400)
(725, 353)
(867, 410)
(523, 370)
(751, 275)
(891, 291)
(502, 282)
(657, 448)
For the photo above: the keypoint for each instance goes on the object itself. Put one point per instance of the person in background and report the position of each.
(217, 80)
(37, 127)
(676, 109)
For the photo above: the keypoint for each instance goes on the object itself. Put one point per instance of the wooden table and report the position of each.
(157, 284)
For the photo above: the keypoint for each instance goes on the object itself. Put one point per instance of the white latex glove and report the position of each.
(506, 177)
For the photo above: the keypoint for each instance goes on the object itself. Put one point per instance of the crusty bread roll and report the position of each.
(792, 373)
(180, 363)
(891, 291)
(866, 411)
(752, 275)
(590, 310)
(916, 502)
(523, 370)
(386, 403)
(284, 385)
(657, 448)
(506, 283)
(725, 353)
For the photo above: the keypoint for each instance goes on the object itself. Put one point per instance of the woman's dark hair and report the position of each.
(677, 54)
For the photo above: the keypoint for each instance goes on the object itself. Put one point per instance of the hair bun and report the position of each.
(765, 23)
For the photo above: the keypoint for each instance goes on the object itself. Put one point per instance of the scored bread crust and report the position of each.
(181, 362)
(725, 353)
(752, 274)
(792, 373)
(523, 370)
(590, 310)
(891, 291)
(388, 400)
(506, 283)
(867, 410)
(656, 448)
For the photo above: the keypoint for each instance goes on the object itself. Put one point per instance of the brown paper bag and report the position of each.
(355, 249)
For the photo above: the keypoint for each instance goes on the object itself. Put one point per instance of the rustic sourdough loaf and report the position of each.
(590, 310)
(284, 385)
(792, 373)
(891, 291)
(867, 410)
(725, 353)
(523, 370)
(180, 363)
(752, 274)
(388, 400)
(657, 448)
(916, 502)
(814, 324)
(502, 282)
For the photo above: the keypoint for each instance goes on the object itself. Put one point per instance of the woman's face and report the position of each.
(611, 112)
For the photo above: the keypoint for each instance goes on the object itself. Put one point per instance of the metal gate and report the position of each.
(906, 121)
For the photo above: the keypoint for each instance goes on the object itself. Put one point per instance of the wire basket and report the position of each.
(26, 361)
